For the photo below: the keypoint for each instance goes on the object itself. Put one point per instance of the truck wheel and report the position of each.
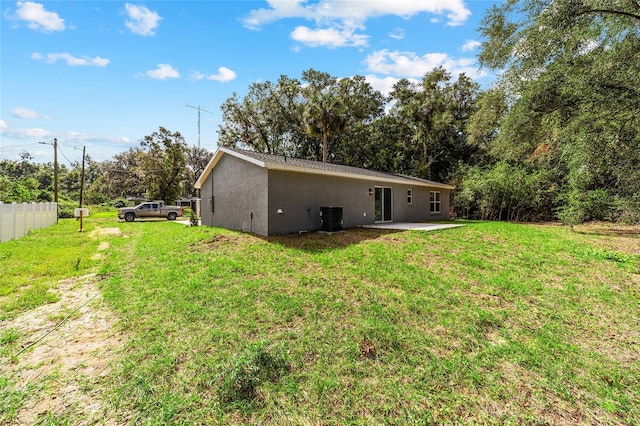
(172, 216)
(129, 217)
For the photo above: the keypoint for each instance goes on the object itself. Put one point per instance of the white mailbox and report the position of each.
(84, 212)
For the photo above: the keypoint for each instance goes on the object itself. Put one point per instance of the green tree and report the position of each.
(197, 160)
(122, 176)
(572, 78)
(164, 164)
(267, 119)
(324, 117)
(363, 107)
(325, 110)
(436, 111)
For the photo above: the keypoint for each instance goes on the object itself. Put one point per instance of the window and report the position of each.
(434, 202)
(409, 196)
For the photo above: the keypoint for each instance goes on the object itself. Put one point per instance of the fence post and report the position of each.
(32, 211)
(15, 220)
(25, 215)
(2, 230)
(37, 217)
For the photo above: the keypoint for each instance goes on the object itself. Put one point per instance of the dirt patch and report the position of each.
(528, 395)
(69, 346)
(224, 243)
(100, 232)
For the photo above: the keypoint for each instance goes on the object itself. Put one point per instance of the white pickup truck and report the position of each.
(150, 209)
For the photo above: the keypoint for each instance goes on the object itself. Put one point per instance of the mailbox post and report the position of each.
(81, 212)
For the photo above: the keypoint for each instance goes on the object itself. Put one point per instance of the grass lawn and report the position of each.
(488, 323)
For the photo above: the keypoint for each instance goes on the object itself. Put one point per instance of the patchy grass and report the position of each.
(33, 264)
(492, 322)
(489, 323)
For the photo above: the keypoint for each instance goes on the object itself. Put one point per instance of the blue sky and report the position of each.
(103, 74)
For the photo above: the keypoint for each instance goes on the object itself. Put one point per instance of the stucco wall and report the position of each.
(419, 210)
(301, 195)
(239, 190)
(248, 197)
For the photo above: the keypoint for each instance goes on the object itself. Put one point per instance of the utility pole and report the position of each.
(55, 167)
(199, 108)
(55, 172)
(82, 176)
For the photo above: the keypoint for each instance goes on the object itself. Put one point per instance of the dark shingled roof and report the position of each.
(279, 160)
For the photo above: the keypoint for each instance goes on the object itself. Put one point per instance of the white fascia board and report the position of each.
(243, 157)
(207, 170)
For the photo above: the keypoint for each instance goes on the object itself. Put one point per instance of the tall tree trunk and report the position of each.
(325, 143)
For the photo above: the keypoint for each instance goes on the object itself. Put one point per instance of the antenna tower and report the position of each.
(199, 108)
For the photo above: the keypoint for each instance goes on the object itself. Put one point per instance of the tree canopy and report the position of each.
(343, 120)
(571, 78)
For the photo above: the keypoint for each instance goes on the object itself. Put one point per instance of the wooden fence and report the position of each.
(18, 219)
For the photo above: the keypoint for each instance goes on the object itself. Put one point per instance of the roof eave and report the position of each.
(216, 158)
(390, 179)
(297, 169)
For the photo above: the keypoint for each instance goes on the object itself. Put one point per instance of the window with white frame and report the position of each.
(434, 201)
(409, 196)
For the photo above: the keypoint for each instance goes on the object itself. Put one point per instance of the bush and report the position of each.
(120, 202)
(102, 208)
(629, 209)
(66, 209)
(193, 218)
(584, 206)
(505, 192)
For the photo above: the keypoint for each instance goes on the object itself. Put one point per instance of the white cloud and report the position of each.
(470, 45)
(142, 21)
(385, 84)
(38, 18)
(224, 75)
(24, 113)
(397, 34)
(78, 137)
(409, 64)
(328, 37)
(72, 61)
(162, 72)
(33, 133)
(355, 11)
(68, 136)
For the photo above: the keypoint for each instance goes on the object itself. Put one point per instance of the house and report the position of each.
(191, 202)
(270, 194)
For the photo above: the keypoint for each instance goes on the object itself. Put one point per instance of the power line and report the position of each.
(62, 152)
(18, 146)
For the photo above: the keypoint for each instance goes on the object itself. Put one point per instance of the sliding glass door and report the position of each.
(383, 207)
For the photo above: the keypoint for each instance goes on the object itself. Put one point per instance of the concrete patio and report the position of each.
(407, 226)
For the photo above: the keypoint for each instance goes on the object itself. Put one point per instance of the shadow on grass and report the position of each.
(608, 229)
(319, 241)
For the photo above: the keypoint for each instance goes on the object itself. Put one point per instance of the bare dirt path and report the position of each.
(69, 347)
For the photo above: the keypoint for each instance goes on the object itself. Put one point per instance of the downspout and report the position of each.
(213, 206)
